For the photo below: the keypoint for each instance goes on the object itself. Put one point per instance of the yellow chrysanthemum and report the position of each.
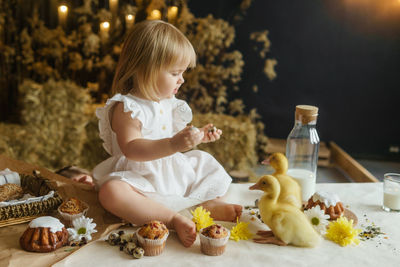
(342, 232)
(240, 231)
(201, 217)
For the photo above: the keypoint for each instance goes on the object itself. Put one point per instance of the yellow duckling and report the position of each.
(290, 189)
(288, 224)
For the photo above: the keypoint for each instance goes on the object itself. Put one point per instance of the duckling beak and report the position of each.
(265, 161)
(255, 187)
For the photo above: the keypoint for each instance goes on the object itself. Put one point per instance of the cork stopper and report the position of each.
(306, 113)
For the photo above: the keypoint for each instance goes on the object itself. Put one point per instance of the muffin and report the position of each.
(152, 237)
(72, 208)
(213, 239)
(328, 202)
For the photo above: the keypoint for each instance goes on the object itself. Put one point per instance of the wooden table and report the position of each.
(10, 252)
(363, 199)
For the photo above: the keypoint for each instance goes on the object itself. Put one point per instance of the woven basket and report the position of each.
(35, 185)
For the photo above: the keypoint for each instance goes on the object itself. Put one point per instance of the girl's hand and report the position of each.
(211, 133)
(187, 138)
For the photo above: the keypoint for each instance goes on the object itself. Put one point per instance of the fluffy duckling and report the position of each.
(290, 189)
(288, 224)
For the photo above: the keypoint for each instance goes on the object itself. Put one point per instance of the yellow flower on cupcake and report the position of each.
(342, 232)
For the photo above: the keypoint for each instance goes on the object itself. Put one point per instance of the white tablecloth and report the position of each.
(364, 199)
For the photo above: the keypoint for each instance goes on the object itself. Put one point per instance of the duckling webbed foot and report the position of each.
(265, 233)
(267, 237)
(270, 240)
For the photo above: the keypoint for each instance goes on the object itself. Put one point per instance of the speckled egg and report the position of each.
(130, 248)
(114, 239)
(138, 253)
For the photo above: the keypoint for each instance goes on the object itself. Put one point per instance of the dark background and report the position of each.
(340, 55)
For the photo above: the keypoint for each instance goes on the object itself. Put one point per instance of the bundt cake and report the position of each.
(44, 234)
(328, 202)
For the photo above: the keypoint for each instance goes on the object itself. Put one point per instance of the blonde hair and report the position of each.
(152, 46)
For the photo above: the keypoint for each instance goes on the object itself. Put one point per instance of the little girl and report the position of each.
(77, 174)
(152, 172)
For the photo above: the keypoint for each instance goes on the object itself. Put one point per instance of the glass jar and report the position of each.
(302, 149)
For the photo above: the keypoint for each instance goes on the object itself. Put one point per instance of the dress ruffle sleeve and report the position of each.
(182, 115)
(103, 114)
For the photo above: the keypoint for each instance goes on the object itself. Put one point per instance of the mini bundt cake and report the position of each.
(44, 234)
(328, 202)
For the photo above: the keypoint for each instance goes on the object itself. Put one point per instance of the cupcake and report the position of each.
(213, 239)
(152, 237)
(72, 208)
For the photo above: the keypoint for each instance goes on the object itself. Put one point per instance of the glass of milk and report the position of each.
(391, 192)
(302, 149)
(306, 180)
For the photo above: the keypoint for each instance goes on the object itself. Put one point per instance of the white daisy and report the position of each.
(318, 218)
(83, 228)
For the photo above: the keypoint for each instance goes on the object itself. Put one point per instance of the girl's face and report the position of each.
(169, 80)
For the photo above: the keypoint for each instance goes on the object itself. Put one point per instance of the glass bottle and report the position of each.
(302, 149)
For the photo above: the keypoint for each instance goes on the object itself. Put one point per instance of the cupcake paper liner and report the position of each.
(152, 247)
(213, 246)
(70, 217)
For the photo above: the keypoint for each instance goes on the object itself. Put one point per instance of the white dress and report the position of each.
(178, 181)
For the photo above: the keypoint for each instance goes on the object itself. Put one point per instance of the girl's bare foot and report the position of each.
(221, 211)
(185, 228)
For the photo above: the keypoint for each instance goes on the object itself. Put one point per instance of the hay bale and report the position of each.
(59, 128)
(53, 116)
(93, 152)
